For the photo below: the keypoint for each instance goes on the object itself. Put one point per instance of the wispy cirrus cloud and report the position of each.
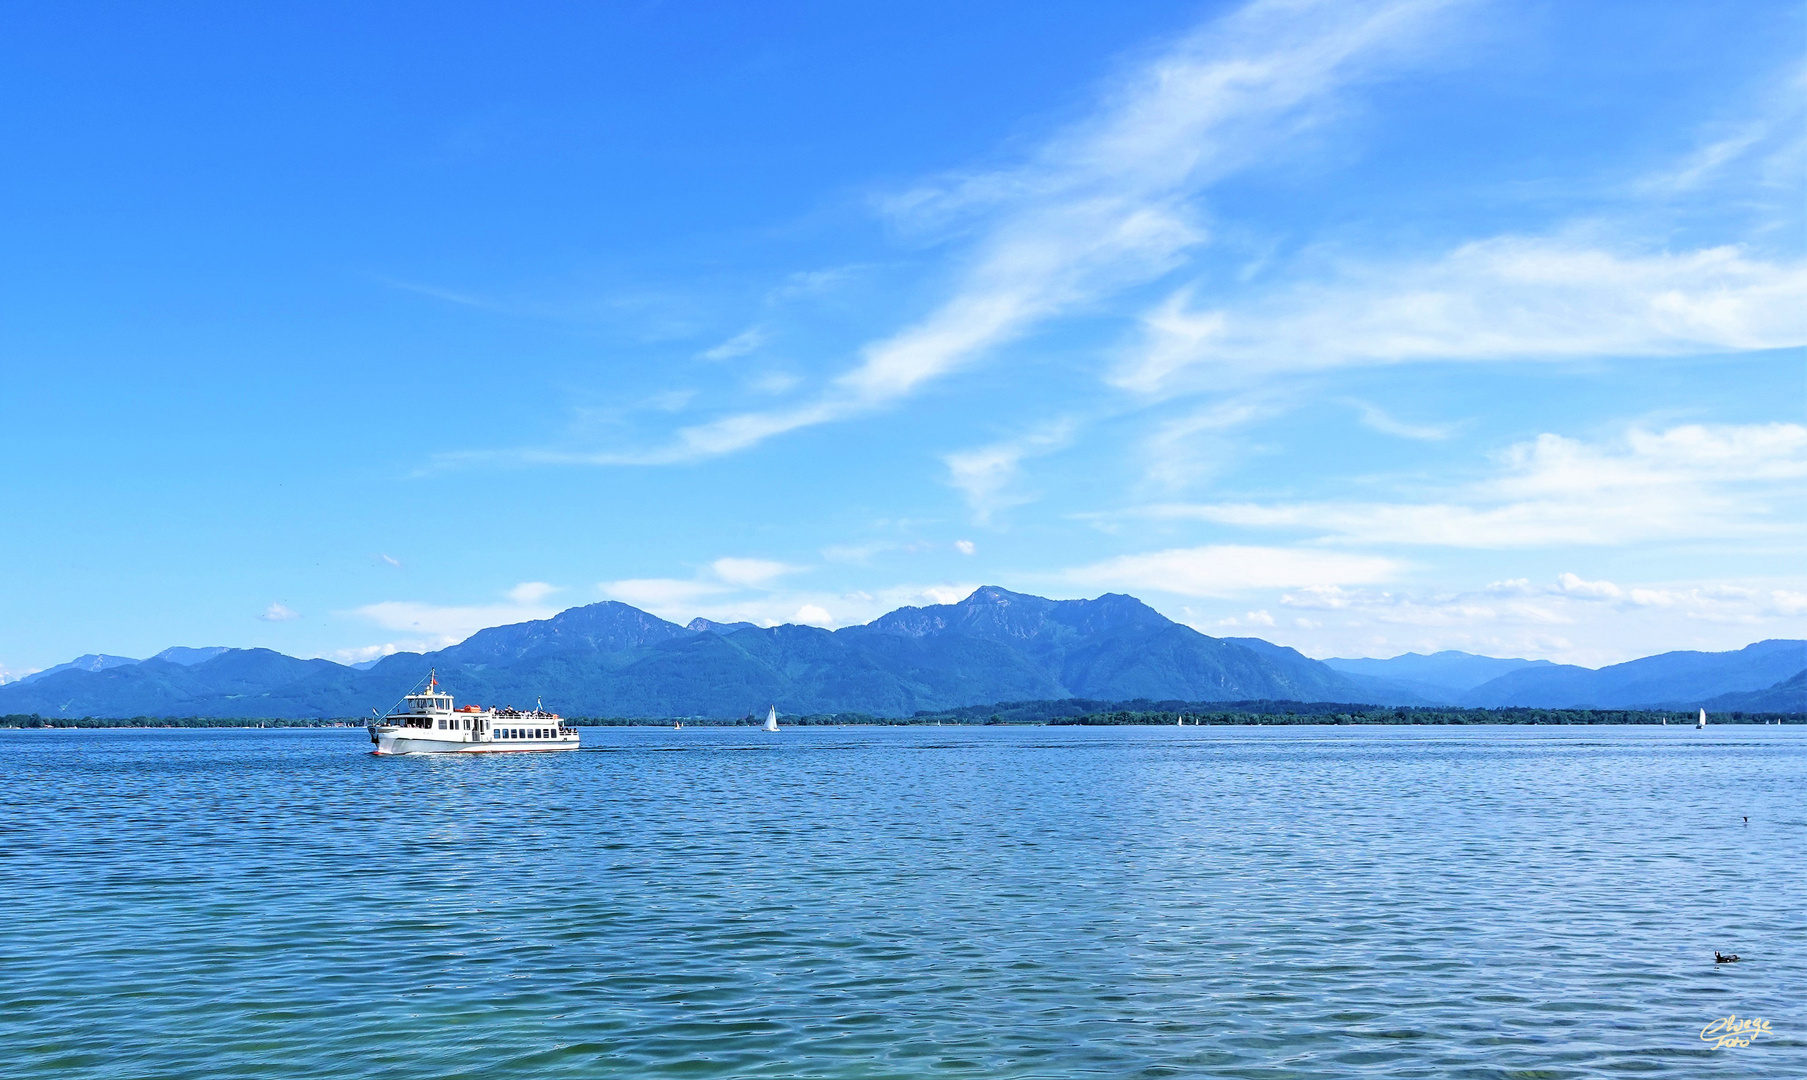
(723, 577)
(1221, 570)
(1378, 419)
(680, 601)
(278, 612)
(1569, 619)
(988, 475)
(751, 573)
(438, 625)
(1105, 203)
(1685, 482)
(1188, 448)
(748, 340)
(1508, 298)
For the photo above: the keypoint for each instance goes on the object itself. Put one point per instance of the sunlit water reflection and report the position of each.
(888, 902)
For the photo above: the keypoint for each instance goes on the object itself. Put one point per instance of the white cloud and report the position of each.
(811, 607)
(985, 474)
(1689, 481)
(812, 615)
(391, 560)
(1373, 417)
(773, 382)
(364, 653)
(443, 625)
(1190, 448)
(1705, 161)
(1103, 205)
(278, 613)
(1575, 585)
(667, 596)
(1508, 298)
(751, 573)
(1769, 147)
(859, 554)
(1252, 618)
(740, 344)
(656, 594)
(1571, 619)
(811, 283)
(1226, 570)
(531, 592)
(966, 547)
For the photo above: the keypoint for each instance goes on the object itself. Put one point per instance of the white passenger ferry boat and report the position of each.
(427, 723)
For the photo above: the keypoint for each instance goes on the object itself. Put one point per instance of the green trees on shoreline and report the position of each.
(1063, 713)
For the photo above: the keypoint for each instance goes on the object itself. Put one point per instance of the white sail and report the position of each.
(771, 719)
(1703, 720)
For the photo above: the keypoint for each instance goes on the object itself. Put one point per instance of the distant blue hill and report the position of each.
(701, 624)
(101, 661)
(90, 662)
(1681, 679)
(1789, 695)
(1371, 688)
(187, 657)
(611, 659)
(1445, 674)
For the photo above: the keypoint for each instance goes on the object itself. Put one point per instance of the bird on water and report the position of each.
(1722, 958)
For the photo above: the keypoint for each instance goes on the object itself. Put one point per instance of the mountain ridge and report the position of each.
(612, 659)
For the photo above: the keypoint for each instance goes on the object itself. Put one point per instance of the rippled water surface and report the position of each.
(893, 902)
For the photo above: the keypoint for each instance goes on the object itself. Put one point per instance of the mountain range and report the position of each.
(610, 659)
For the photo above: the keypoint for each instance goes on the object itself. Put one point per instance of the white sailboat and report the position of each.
(771, 719)
(1701, 724)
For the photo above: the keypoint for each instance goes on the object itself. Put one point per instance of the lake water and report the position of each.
(906, 902)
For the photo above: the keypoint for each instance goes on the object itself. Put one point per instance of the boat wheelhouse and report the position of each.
(429, 722)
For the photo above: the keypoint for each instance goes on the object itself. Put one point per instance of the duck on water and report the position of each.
(425, 722)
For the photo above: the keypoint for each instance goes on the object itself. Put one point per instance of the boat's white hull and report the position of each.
(397, 742)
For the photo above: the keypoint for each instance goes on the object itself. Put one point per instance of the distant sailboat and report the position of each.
(1702, 722)
(771, 719)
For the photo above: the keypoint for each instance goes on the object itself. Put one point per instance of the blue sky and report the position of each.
(1362, 327)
